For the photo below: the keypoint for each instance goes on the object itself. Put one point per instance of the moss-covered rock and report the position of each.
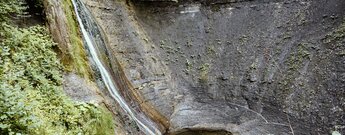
(65, 31)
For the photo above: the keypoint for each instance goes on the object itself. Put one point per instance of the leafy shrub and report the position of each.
(31, 96)
(36, 3)
(8, 7)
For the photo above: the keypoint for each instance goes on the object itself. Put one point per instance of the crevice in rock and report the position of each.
(203, 132)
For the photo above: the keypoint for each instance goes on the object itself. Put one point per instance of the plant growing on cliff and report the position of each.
(204, 70)
(31, 96)
(10, 7)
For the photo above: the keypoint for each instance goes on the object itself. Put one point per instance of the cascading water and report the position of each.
(84, 18)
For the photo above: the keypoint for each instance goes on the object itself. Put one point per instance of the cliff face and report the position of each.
(230, 67)
(79, 83)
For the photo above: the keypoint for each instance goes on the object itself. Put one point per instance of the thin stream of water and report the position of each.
(142, 122)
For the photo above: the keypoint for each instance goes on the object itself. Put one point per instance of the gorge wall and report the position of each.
(227, 66)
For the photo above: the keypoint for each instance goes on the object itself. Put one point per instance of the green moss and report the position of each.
(78, 61)
(204, 70)
(336, 35)
(334, 40)
(295, 61)
(294, 64)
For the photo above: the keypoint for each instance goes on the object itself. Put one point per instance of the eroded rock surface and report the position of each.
(57, 22)
(80, 89)
(239, 67)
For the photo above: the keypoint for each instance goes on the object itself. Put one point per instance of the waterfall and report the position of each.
(84, 18)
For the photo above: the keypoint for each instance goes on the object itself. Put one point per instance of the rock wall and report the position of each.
(239, 67)
(62, 25)
(79, 81)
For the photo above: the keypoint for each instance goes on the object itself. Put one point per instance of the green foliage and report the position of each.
(31, 98)
(36, 3)
(9, 7)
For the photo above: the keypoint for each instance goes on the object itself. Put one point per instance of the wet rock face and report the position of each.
(80, 89)
(244, 67)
